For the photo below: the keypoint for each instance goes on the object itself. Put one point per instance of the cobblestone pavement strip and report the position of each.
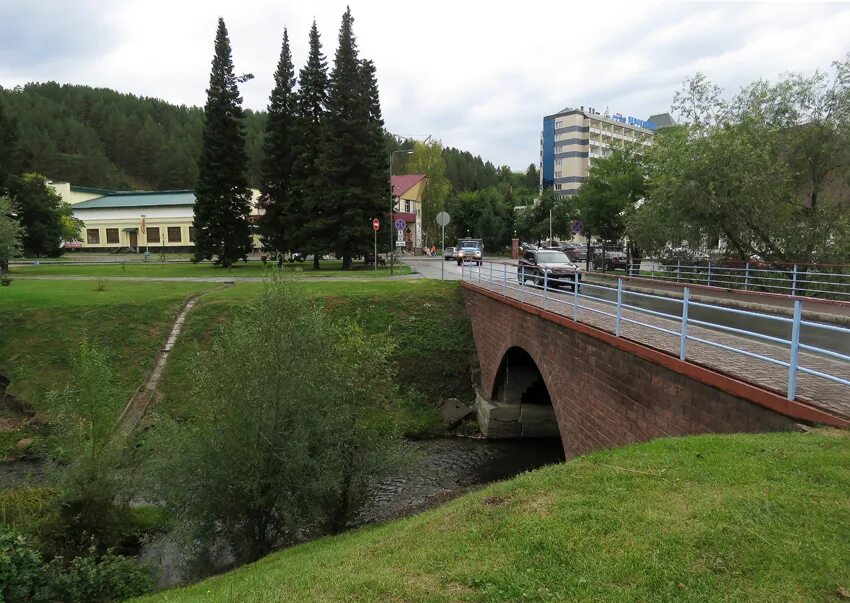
(817, 391)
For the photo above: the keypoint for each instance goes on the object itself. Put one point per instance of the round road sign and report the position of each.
(443, 218)
(400, 224)
(376, 224)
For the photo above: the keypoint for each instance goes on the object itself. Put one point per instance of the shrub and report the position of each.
(26, 577)
(283, 442)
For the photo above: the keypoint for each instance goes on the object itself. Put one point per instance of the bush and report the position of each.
(284, 439)
(26, 577)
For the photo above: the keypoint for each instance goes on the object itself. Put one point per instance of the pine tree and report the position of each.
(223, 200)
(10, 153)
(309, 186)
(279, 225)
(354, 156)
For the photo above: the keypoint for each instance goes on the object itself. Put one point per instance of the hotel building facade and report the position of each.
(572, 138)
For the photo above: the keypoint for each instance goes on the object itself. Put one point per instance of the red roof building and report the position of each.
(408, 192)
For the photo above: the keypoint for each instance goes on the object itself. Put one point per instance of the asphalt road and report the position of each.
(830, 340)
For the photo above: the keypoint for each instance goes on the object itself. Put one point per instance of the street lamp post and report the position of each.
(392, 209)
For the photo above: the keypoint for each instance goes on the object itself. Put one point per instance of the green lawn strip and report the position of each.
(43, 323)
(426, 319)
(251, 269)
(708, 518)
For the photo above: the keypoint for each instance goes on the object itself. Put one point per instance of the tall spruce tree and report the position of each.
(355, 159)
(280, 225)
(223, 200)
(309, 185)
(10, 152)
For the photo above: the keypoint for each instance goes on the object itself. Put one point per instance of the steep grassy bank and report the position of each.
(425, 319)
(42, 324)
(710, 518)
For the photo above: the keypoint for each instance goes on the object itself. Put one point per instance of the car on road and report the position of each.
(469, 250)
(547, 266)
(449, 253)
(614, 259)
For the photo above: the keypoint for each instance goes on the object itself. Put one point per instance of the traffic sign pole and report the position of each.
(443, 219)
(443, 243)
(375, 226)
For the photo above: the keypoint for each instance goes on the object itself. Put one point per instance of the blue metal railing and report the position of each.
(535, 284)
(829, 281)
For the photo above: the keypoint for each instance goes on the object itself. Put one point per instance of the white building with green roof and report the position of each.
(135, 220)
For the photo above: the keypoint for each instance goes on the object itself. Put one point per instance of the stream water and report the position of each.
(440, 469)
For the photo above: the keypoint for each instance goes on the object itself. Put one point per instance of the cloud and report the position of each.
(38, 32)
(477, 75)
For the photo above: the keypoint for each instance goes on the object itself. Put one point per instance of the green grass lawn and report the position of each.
(43, 323)
(426, 320)
(251, 269)
(707, 518)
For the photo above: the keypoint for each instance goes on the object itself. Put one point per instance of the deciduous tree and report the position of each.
(285, 438)
(39, 211)
(10, 235)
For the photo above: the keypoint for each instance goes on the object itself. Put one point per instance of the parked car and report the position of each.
(614, 259)
(572, 250)
(551, 266)
(449, 253)
(469, 250)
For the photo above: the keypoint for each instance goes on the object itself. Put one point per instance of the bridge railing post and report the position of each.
(795, 349)
(619, 305)
(545, 289)
(709, 274)
(490, 278)
(522, 284)
(575, 296)
(504, 278)
(683, 347)
(747, 276)
(678, 269)
(794, 281)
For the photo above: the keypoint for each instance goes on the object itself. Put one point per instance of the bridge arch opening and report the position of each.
(520, 404)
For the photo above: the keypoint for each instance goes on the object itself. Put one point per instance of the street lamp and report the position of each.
(392, 208)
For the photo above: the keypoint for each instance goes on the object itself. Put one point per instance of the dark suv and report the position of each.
(548, 265)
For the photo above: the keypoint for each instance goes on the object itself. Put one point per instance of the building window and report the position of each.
(558, 124)
(558, 161)
(558, 186)
(191, 234)
(558, 174)
(112, 236)
(153, 235)
(93, 236)
(407, 206)
(174, 234)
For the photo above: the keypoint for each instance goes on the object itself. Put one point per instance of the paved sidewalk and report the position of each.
(211, 279)
(822, 393)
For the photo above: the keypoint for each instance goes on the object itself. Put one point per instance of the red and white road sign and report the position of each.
(375, 224)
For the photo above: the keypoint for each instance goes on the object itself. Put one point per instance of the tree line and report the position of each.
(765, 174)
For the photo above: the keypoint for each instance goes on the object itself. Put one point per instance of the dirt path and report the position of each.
(147, 393)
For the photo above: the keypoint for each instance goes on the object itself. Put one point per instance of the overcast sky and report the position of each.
(478, 75)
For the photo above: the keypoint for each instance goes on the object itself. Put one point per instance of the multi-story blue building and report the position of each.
(573, 138)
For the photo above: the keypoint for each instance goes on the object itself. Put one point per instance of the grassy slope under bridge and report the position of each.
(707, 518)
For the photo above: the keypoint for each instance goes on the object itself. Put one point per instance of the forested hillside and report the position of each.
(105, 139)
(101, 138)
